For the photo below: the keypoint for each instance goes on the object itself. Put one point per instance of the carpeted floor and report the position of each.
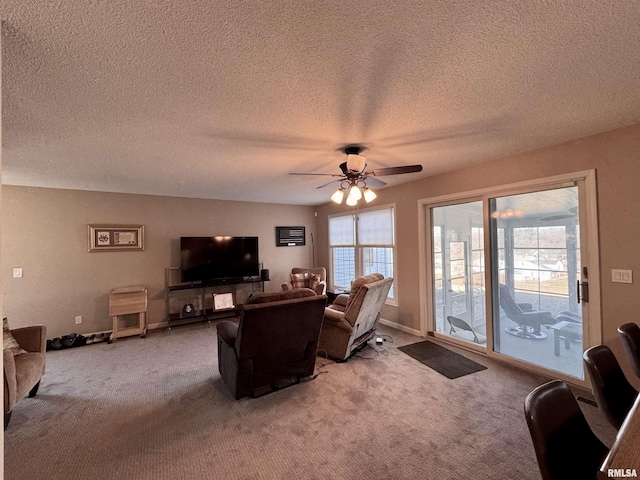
(156, 408)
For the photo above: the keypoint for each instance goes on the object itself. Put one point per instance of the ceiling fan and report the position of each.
(357, 179)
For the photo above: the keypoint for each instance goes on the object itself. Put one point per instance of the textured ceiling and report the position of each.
(222, 99)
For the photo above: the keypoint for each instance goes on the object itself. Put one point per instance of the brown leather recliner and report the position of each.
(352, 319)
(274, 344)
(22, 373)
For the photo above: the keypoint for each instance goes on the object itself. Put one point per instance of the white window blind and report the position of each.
(341, 231)
(376, 227)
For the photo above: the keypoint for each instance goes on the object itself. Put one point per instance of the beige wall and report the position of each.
(1, 273)
(616, 158)
(45, 233)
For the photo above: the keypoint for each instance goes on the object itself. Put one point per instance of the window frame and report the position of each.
(358, 249)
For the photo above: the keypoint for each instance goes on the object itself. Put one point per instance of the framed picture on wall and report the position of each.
(115, 237)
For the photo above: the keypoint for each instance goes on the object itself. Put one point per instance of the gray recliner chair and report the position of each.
(352, 319)
(22, 373)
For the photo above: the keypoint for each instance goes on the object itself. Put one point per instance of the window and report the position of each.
(362, 243)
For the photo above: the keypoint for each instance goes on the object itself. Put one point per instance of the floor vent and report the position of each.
(588, 401)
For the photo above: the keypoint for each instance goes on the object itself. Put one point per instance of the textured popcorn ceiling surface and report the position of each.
(223, 98)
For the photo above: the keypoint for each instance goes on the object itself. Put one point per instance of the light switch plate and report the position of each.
(621, 276)
(17, 273)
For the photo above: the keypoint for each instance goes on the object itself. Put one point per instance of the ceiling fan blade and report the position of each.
(379, 172)
(374, 182)
(327, 184)
(321, 174)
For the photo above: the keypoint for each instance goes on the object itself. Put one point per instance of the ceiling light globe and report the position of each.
(351, 201)
(337, 196)
(355, 193)
(369, 195)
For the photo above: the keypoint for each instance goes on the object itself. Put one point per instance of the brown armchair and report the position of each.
(303, 280)
(352, 319)
(22, 373)
(274, 344)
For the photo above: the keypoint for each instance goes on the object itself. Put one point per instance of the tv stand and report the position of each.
(193, 301)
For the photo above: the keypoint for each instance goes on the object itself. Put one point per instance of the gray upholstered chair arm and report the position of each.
(336, 319)
(228, 332)
(340, 303)
(342, 299)
(32, 338)
(10, 381)
(321, 289)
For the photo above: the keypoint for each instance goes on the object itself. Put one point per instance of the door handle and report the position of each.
(584, 286)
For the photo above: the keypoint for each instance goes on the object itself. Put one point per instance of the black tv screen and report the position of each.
(210, 258)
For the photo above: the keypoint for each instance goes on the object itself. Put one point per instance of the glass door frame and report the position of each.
(591, 311)
(448, 277)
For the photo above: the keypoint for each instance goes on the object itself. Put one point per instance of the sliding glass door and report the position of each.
(537, 317)
(507, 275)
(458, 271)
(536, 263)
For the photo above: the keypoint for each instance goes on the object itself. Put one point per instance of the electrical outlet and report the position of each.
(17, 273)
(78, 319)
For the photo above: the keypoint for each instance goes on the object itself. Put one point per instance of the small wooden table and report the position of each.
(126, 301)
(624, 454)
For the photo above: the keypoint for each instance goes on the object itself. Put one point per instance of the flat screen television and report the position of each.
(216, 258)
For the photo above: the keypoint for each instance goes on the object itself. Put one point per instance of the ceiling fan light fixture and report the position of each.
(337, 196)
(355, 193)
(356, 163)
(369, 195)
(351, 201)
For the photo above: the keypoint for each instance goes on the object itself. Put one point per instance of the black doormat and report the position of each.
(442, 360)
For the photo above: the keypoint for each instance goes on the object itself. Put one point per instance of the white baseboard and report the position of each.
(402, 328)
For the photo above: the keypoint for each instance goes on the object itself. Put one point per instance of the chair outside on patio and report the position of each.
(528, 320)
(455, 322)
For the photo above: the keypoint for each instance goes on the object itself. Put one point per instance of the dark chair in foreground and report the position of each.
(23, 366)
(274, 344)
(630, 336)
(613, 392)
(528, 320)
(455, 322)
(565, 445)
(351, 320)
